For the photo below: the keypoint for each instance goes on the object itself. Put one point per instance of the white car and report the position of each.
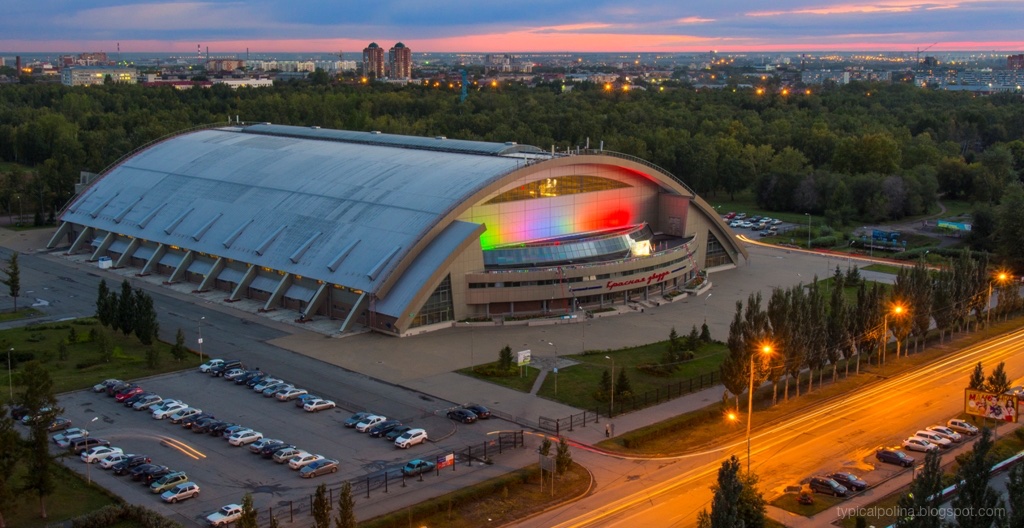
(946, 433)
(242, 438)
(257, 446)
(291, 394)
(181, 414)
(962, 426)
(298, 461)
(411, 438)
(234, 373)
(226, 515)
(112, 459)
(916, 443)
(369, 422)
(934, 438)
(284, 455)
(98, 453)
(265, 383)
(318, 405)
(167, 410)
(64, 439)
(181, 492)
(205, 367)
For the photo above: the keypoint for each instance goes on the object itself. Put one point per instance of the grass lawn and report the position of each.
(578, 384)
(84, 366)
(514, 381)
(883, 268)
(496, 502)
(23, 313)
(821, 503)
(71, 498)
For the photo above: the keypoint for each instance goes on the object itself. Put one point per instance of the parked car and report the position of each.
(916, 443)
(45, 413)
(119, 387)
(232, 430)
(741, 216)
(205, 426)
(271, 389)
(129, 462)
(382, 428)
(962, 426)
(181, 414)
(124, 395)
(234, 374)
(219, 428)
(946, 433)
(480, 411)
(411, 438)
(199, 422)
(227, 365)
(224, 516)
(284, 455)
(244, 438)
(163, 404)
(894, 456)
(396, 432)
(253, 381)
(168, 481)
(462, 415)
(356, 418)
(291, 394)
(827, 486)
(934, 438)
(318, 405)
(129, 402)
(849, 481)
(102, 386)
(205, 367)
(69, 434)
(156, 473)
(369, 422)
(165, 411)
(765, 233)
(304, 459)
(730, 215)
(189, 421)
(264, 383)
(257, 446)
(98, 453)
(147, 402)
(305, 398)
(417, 466)
(18, 412)
(188, 490)
(113, 459)
(138, 473)
(59, 424)
(268, 450)
(84, 443)
(249, 374)
(319, 467)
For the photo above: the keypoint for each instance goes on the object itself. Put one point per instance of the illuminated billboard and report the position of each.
(1001, 407)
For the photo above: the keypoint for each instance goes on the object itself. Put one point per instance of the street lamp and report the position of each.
(988, 307)
(766, 350)
(611, 409)
(200, 340)
(706, 308)
(808, 215)
(896, 310)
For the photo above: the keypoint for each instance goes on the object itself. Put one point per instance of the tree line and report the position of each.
(810, 329)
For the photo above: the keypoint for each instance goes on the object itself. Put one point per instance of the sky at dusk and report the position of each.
(511, 26)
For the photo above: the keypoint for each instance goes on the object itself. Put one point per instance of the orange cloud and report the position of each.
(694, 20)
(891, 6)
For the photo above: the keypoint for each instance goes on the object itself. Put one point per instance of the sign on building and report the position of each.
(1001, 407)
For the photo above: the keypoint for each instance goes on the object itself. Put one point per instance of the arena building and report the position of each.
(396, 233)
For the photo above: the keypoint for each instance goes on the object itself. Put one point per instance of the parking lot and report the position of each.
(225, 473)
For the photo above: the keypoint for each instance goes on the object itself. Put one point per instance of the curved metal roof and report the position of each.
(342, 207)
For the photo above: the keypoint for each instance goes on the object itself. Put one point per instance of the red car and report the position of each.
(122, 396)
(730, 216)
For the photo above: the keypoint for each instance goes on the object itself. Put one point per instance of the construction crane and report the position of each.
(919, 50)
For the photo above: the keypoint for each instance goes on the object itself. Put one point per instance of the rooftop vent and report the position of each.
(375, 132)
(440, 137)
(314, 127)
(511, 143)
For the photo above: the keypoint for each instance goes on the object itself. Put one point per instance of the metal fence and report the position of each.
(569, 423)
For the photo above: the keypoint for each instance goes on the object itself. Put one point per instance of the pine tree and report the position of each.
(10, 454)
(545, 447)
(925, 495)
(705, 333)
(693, 340)
(321, 508)
(563, 458)
(998, 381)
(103, 346)
(146, 326)
(623, 390)
(13, 280)
(1015, 492)
(250, 516)
(126, 309)
(725, 503)
(977, 381)
(102, 312)
(505, 359)
(752, 506)
(37, 396)
(178, 351)
(675, 345)
(604, 389)
(975, 494)
(346, 517)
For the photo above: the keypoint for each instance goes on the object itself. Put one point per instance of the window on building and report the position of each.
(438, 307)
(716, 255)
(561, 186)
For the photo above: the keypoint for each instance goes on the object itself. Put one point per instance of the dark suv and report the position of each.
(894, 456)
(227, 365)
(827, 486)
(81, 444)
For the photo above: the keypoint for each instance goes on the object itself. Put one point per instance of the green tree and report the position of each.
(675, 345)
(146, 327)
(1009, 232)
(998, 382)
(178, 350)
(725, 502)
(692, 340)
(705, 333)
(1015, 492)
(977, 381)
(126, 309)
(925, 495)
(604, 387)
(321, 508)
(974, 494)
(250, 517)
(563, 457)
(13, 280)
(152, 357)
(623, 389)
(505, 359)
(346, 517)
(752, 506)
(10, 454)
(103, 346)
(545, 446)
(39, 395)
(102, 308)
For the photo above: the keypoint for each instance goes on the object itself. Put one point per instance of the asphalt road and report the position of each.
(842, 433)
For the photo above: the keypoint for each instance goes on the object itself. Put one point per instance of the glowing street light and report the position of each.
(766, 351)
(1001, 277)
(897, 311)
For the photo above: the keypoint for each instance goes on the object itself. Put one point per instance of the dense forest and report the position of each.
(861, 152)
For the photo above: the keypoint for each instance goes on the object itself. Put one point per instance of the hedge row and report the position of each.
(115, 513)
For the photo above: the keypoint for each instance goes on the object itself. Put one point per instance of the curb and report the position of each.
(586, 492)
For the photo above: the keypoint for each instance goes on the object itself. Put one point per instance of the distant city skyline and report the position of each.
(527, 26)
